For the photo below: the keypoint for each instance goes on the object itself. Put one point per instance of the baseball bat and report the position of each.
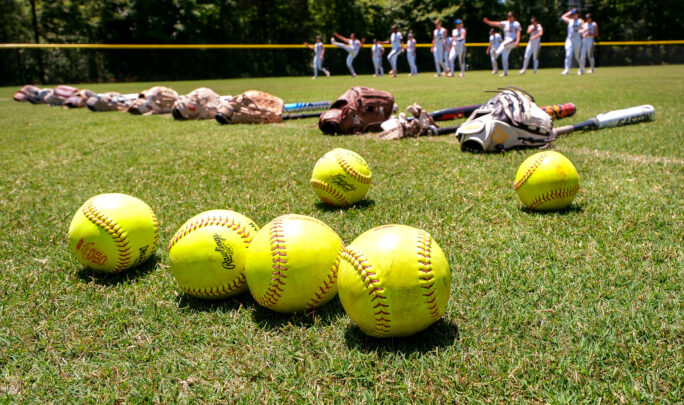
(556, 111)
(310, 106)
(612, 119)
(300, 116)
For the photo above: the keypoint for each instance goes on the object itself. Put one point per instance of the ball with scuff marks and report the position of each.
(341, 178)
(394, 280)
(292, 264)
(113, 232)
(207, 254)
(546, 181)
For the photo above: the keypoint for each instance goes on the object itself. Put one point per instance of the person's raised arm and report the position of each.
(495, 24)
(566, 17)
(308, 46)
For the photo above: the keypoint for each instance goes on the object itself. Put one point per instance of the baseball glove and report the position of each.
(25, 92)
(199, 104)
(79, 99)
(511, 119)
(360, 109)
(110, 101)
(251, 107)
(155, 100)
(399, 127)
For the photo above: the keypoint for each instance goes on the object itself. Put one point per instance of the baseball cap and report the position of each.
(458, 21)
(573, 11)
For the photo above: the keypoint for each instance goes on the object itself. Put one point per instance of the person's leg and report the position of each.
(451, 63)
(315, 66)
(461, 60)
(438, 55)
(535, 55)
(495, 65)
(350, 61)
(504, 61)
(590, 54)
(568, 56)
(576, 51)
(526, 60)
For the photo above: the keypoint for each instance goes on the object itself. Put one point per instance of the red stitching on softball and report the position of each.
(100, 219)
(226, 222)
(327, 284)
(334, 193)
(350, 170)
(554, 195)
(360, 263)
(425, 267)
(279, 260)
(214, 292)
(530, 170)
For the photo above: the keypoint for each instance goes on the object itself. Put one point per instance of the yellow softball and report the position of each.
(113, 232)
(292, 264)
(394, 280)
(546, 181)
(341, 178)
(207, 254)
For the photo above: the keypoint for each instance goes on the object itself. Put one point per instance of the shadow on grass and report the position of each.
(571, 209)
(189, 303)
(324, 315)
(88, 275)
(361, 205)
(442, 333)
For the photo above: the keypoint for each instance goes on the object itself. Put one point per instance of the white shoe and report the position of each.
(580, 73)
(438, 75)
(327, 73)
(522, 72)
(460, 75)
(313, 78)
(564, 73)
(590, 71)
(495, 72)
(503, 74)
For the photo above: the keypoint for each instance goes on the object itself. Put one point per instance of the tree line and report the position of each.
(280, 22)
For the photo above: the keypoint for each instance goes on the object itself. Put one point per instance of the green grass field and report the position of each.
(583, 305)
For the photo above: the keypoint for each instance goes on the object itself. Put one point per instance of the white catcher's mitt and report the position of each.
(511, 119)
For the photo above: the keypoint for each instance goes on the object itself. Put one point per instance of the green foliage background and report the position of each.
(285, 21)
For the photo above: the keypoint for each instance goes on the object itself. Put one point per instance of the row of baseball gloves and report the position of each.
(511, 112)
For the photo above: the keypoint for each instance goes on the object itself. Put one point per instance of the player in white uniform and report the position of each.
(457, 48)
(573, 42)
(511, 29)
(319, 52)
(494, 42)
(411, 54)
(395, 40)
(376, 53)
(352, 46)
(447, 47)
(588, 32)
(535, 31)
(438, 47)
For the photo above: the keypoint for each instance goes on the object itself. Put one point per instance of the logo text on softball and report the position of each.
(226, 251)
(338, 179)
(93, 254)
(143, 251)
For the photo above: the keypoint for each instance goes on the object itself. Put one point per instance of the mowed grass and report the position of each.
(583, 305)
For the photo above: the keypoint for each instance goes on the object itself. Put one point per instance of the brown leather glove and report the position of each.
(360, 109)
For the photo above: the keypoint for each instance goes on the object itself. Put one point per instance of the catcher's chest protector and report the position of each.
(360, 109)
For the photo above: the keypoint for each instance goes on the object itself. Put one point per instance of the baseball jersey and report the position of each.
(318, 48)
(440, 36)
(535, 31)
(589, 29)
(395, 40)
(411, 46)
(494, 40)
(574, 27)
(376, 50)
(355, 45)
(510, 29)
(456, 34)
